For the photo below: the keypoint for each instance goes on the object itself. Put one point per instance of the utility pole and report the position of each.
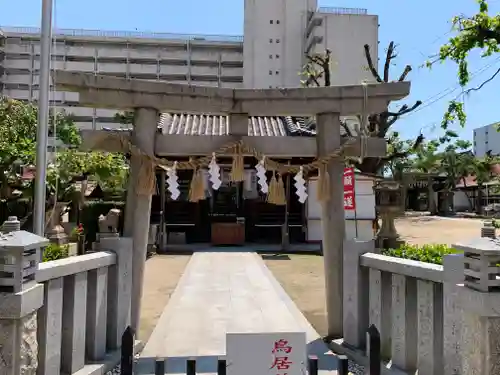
(43, 117)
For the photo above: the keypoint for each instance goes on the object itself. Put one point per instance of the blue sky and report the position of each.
(418, 27)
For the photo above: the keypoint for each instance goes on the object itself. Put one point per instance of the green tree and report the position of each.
(397, 166)
(482, 170)
(478, 32)
(455, 165)
(18, 128)
(317, 72)
(109, 170)
(18, 124)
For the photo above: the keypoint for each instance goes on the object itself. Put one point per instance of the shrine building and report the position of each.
(238, 212)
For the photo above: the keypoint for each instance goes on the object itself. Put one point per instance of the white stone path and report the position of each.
(222, 292)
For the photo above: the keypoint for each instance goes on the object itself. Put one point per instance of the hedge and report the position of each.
(427, 253)
(55, 252)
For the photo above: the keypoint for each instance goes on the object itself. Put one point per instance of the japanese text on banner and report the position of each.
(349, 194)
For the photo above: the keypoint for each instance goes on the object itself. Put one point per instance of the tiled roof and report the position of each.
(470, 181)
(274, 126)
(190, 124)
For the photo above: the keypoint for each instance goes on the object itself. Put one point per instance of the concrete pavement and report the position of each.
(220, 293)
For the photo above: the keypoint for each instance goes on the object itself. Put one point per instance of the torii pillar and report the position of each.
(138, 210)
(332, 221)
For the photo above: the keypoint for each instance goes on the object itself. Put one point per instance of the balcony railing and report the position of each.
(121, 34)
(336, 10)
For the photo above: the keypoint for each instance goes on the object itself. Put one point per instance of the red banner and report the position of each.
(349, 194)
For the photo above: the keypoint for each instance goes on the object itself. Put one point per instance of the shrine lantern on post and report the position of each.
(389, 203)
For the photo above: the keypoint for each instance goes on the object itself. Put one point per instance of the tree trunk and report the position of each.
(479, 199)
(431, 202)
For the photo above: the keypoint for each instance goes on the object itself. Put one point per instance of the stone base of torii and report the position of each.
(149, 99)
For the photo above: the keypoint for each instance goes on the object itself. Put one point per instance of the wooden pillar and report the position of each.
(332, 221)
(144, 138)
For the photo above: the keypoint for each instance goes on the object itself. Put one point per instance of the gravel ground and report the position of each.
(356, 369)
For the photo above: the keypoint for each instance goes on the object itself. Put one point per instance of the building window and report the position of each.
(277, 40)
(270, 56)
(271, 22)
(277, 22)
(270, 72)
(270, 40)
(277, 56)
(277, 72)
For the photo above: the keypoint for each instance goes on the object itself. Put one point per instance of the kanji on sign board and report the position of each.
(349, 194)
(283, 353)
(349, 179)
(349, 200)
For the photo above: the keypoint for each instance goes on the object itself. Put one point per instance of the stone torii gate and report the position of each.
(149, 98)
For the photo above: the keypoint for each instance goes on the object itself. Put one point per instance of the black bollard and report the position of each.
(191, 366)
(313, 365)
(343, 365)
(221, 367)
(160, 366)
(374, 351)
(127, 352)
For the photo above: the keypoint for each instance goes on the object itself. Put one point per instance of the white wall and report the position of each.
(345, 35)
(359, 224)
(486, 138)
(273, 43)
(460, 201)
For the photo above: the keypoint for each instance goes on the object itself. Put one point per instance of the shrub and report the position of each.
(55, 252)
(496, 223)
(427, 253)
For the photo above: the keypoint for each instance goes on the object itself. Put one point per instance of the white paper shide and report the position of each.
(261, 177)
(173, 185)
(300, 185)
(214, 173)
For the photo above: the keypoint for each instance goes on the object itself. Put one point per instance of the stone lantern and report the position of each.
(20, 298)
(389, 203)
(481, 264)
(478, 298)
(19, 257)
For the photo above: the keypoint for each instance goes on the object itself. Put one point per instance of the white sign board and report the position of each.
(277, 353)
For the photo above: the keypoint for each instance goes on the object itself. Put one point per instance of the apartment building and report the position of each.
(277, 35)
(487, 138)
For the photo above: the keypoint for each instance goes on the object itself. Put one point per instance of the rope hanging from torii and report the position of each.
(146, 185)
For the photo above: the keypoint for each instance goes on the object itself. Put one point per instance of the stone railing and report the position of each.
(69, 316)
(424, 312)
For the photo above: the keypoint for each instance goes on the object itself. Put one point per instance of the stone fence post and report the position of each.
(479, 301)
(355, 296)
(119, 288)
(20, 298)
(453, 274)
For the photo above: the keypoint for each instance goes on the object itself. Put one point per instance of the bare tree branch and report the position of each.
(388, 58)
(372, 68)
(403, 75)
(405, 109)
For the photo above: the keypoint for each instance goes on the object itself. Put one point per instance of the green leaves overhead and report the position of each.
(478, 32)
